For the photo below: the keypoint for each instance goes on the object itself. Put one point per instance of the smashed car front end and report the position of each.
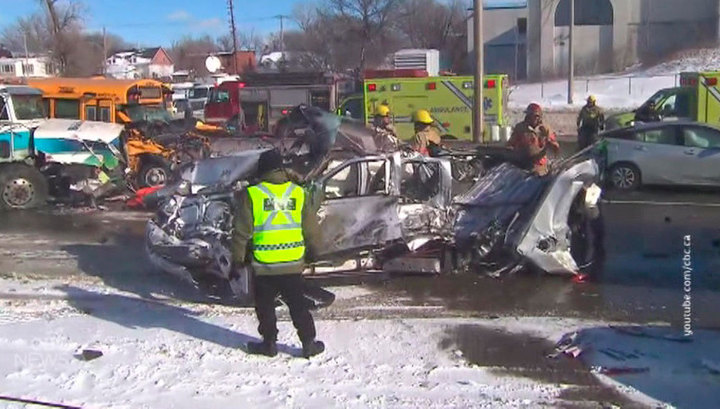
(192, 228)
(80, 157)
(192, 232)
(511, 218)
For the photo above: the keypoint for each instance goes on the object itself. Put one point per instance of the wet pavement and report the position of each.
(640, 281)
(526, 356)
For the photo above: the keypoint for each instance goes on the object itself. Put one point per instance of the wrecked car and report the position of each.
(395, 211)
(59, 159)
(511, 219)
(363, 203)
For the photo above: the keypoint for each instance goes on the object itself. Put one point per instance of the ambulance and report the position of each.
(449, 99)
(696, 99)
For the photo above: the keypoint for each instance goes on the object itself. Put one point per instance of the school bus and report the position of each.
(103, 99)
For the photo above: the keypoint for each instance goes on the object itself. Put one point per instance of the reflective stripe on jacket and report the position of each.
(277, 222)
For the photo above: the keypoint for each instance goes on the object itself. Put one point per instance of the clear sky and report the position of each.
(160, 22)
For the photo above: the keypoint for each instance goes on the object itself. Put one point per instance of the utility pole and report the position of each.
(571, 54)
(27, 57)
(104, 66)
(282, 18)
(478, 44)
(233, 33)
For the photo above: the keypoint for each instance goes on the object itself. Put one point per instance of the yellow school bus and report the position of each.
(103, 99)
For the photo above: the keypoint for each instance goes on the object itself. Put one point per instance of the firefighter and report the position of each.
(425, 133)
(384, 132)
(275, 221)
(590, 122)
(648, 113)
(531, 138)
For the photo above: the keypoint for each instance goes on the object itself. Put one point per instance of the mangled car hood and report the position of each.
(524, 214)
(222, 172)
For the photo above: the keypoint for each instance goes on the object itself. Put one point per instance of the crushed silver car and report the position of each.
(363, 204)
(395, 210)
(511, 219)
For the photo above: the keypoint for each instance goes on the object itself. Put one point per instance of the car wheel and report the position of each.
(22, 187)
(625, 176)
(153, 174)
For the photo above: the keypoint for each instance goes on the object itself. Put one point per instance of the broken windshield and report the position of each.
(139, 113)
(28, 107)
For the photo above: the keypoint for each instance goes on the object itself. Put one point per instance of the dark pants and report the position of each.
(586, 137)
(290, 287)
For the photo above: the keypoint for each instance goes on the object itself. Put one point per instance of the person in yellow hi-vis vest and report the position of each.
(276, 225)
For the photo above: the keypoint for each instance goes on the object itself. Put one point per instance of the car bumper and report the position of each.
(175, 256)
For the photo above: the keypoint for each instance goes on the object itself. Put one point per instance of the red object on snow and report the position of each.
(580, 278)
(136, 202)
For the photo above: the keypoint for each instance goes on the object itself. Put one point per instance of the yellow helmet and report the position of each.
(422, 116)
(592, 99)
(382, 110)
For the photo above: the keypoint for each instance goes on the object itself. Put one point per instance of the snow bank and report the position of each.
(613, 93)
(704, 59)
(620, 91)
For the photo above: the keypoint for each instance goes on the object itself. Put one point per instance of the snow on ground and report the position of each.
(619, 91)
(613, 93)
(682, 370)
(160, 356)
(704, 59)
(163, 353)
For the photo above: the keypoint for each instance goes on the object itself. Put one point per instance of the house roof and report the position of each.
(142, 52)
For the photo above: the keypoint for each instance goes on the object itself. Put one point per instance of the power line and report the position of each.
(152, 24)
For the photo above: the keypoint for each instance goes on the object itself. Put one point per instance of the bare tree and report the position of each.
(224, 42)
(246, 41)
(65, 18)
(59, 33)
(189, 53)
(331, 38)
(373, 18)
(32, 29)
(250, 40)
(434, 24)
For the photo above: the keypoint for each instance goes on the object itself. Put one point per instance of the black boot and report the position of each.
(312, 348)
(267, 348)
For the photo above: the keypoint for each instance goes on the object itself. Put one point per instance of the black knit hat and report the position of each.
(270, 160)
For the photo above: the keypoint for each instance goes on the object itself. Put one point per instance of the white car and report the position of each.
(663, 153)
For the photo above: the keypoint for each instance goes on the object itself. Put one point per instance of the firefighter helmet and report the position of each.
(533, 108)
(422, 116)
(382, 110)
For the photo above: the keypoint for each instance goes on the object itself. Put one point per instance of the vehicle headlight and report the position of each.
(184, 188)
(170, 206)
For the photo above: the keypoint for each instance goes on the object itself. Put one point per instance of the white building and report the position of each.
(140, 63)
(37, 66)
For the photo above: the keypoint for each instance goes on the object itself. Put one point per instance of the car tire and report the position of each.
(624, 176)
(22, 187)
(153, 173)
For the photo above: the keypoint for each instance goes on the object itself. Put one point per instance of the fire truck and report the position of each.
(449, 99)
(261, 99)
